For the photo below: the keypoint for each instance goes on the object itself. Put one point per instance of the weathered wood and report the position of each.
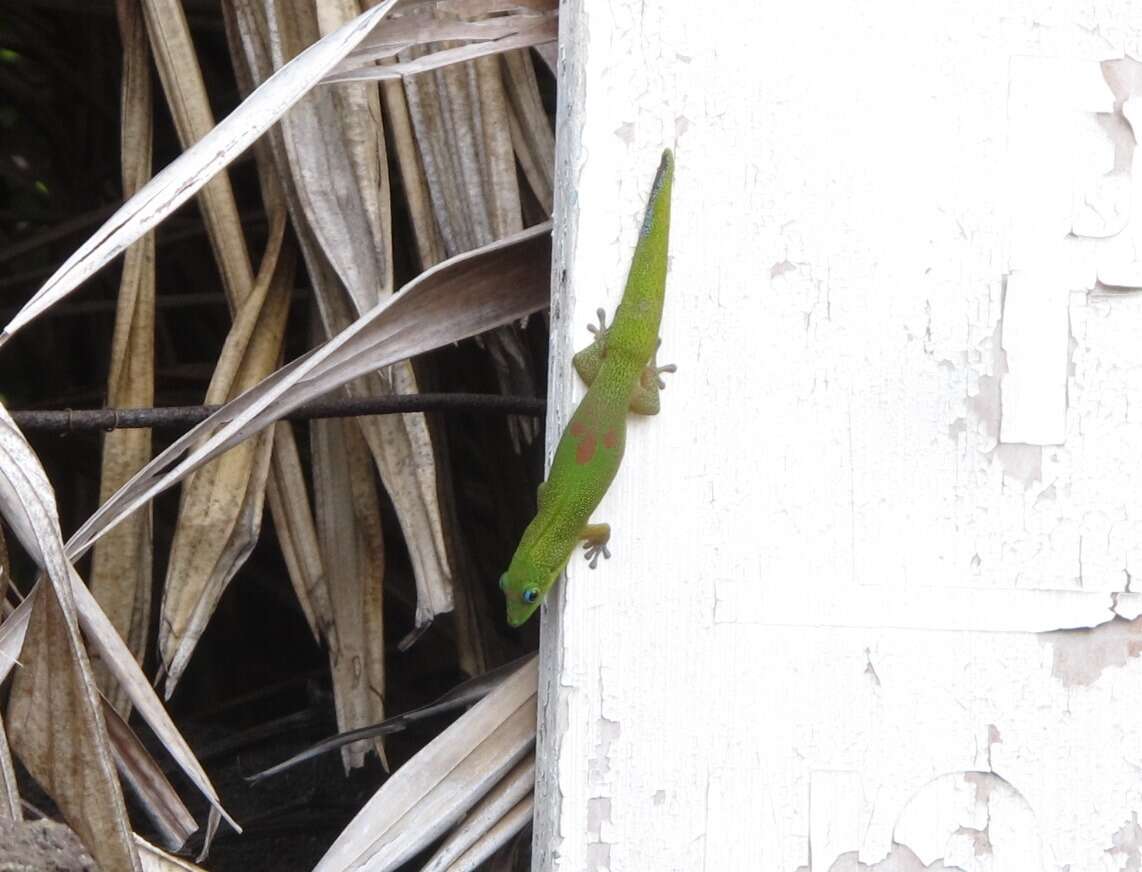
(899, 464)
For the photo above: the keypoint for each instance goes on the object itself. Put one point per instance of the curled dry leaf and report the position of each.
(441, 783)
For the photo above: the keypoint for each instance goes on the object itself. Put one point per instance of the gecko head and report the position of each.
(524, 590)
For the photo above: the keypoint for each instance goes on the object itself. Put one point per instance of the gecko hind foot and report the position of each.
(601, 329)
(653, 371)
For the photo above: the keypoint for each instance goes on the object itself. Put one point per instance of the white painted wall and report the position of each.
(902, 456)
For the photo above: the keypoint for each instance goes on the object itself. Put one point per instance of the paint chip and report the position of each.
(899, 859)
(1127, 846)
(1081, 655)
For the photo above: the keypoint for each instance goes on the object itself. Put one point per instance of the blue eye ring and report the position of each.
(530, 595)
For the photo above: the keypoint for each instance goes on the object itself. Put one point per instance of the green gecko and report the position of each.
(622, 374)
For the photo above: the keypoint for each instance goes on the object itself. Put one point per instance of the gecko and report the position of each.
(621, 371)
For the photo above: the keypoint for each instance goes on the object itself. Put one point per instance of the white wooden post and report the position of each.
(901, 460)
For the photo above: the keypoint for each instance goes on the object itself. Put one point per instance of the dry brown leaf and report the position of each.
(56, 729)
(410, 26)
(349, 529)
(185, 176)
(189, 106)
(466, 295)
(450, 775)
(358, 110)
(55, 725)
(496, 818)
(5, 572)
(502, 832)
(156, 860)
(28, 505)
(461, 118)
(112, 650)
(461, 696)
(333, 152)
(221, 508)
(121, 564)
(297, 535)
(476, 8)
(429, 244)
(246, 31)
(147, 782)
(535, 30)
(455, 118)
(9, 790)
(396, 443)
(532, 136)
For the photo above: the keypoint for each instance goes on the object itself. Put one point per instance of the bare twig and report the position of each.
(77, 420)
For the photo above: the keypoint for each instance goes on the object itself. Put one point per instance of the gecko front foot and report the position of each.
(595, 538)
(592, 553)
(588, 361)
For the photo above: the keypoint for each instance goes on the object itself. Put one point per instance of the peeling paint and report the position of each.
(600, 763)
(598, 846)
(1127, 846)
(900, 859)
(973, 819)
(980, 840)
(993, 738)
(598, 818)
(1112, 197)
(983, 406)
(1080, 656)
(1020, 461)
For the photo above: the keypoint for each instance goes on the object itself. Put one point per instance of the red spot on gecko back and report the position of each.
(585, 450)
(611, 440)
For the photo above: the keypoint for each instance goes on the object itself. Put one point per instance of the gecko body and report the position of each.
(622, 376)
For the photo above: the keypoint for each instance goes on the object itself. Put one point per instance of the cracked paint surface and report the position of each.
(873, 602)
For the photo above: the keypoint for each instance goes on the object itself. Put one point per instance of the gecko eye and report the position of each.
(504, 582)
(531, 595)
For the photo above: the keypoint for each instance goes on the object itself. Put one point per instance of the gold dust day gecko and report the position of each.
(622, 375)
